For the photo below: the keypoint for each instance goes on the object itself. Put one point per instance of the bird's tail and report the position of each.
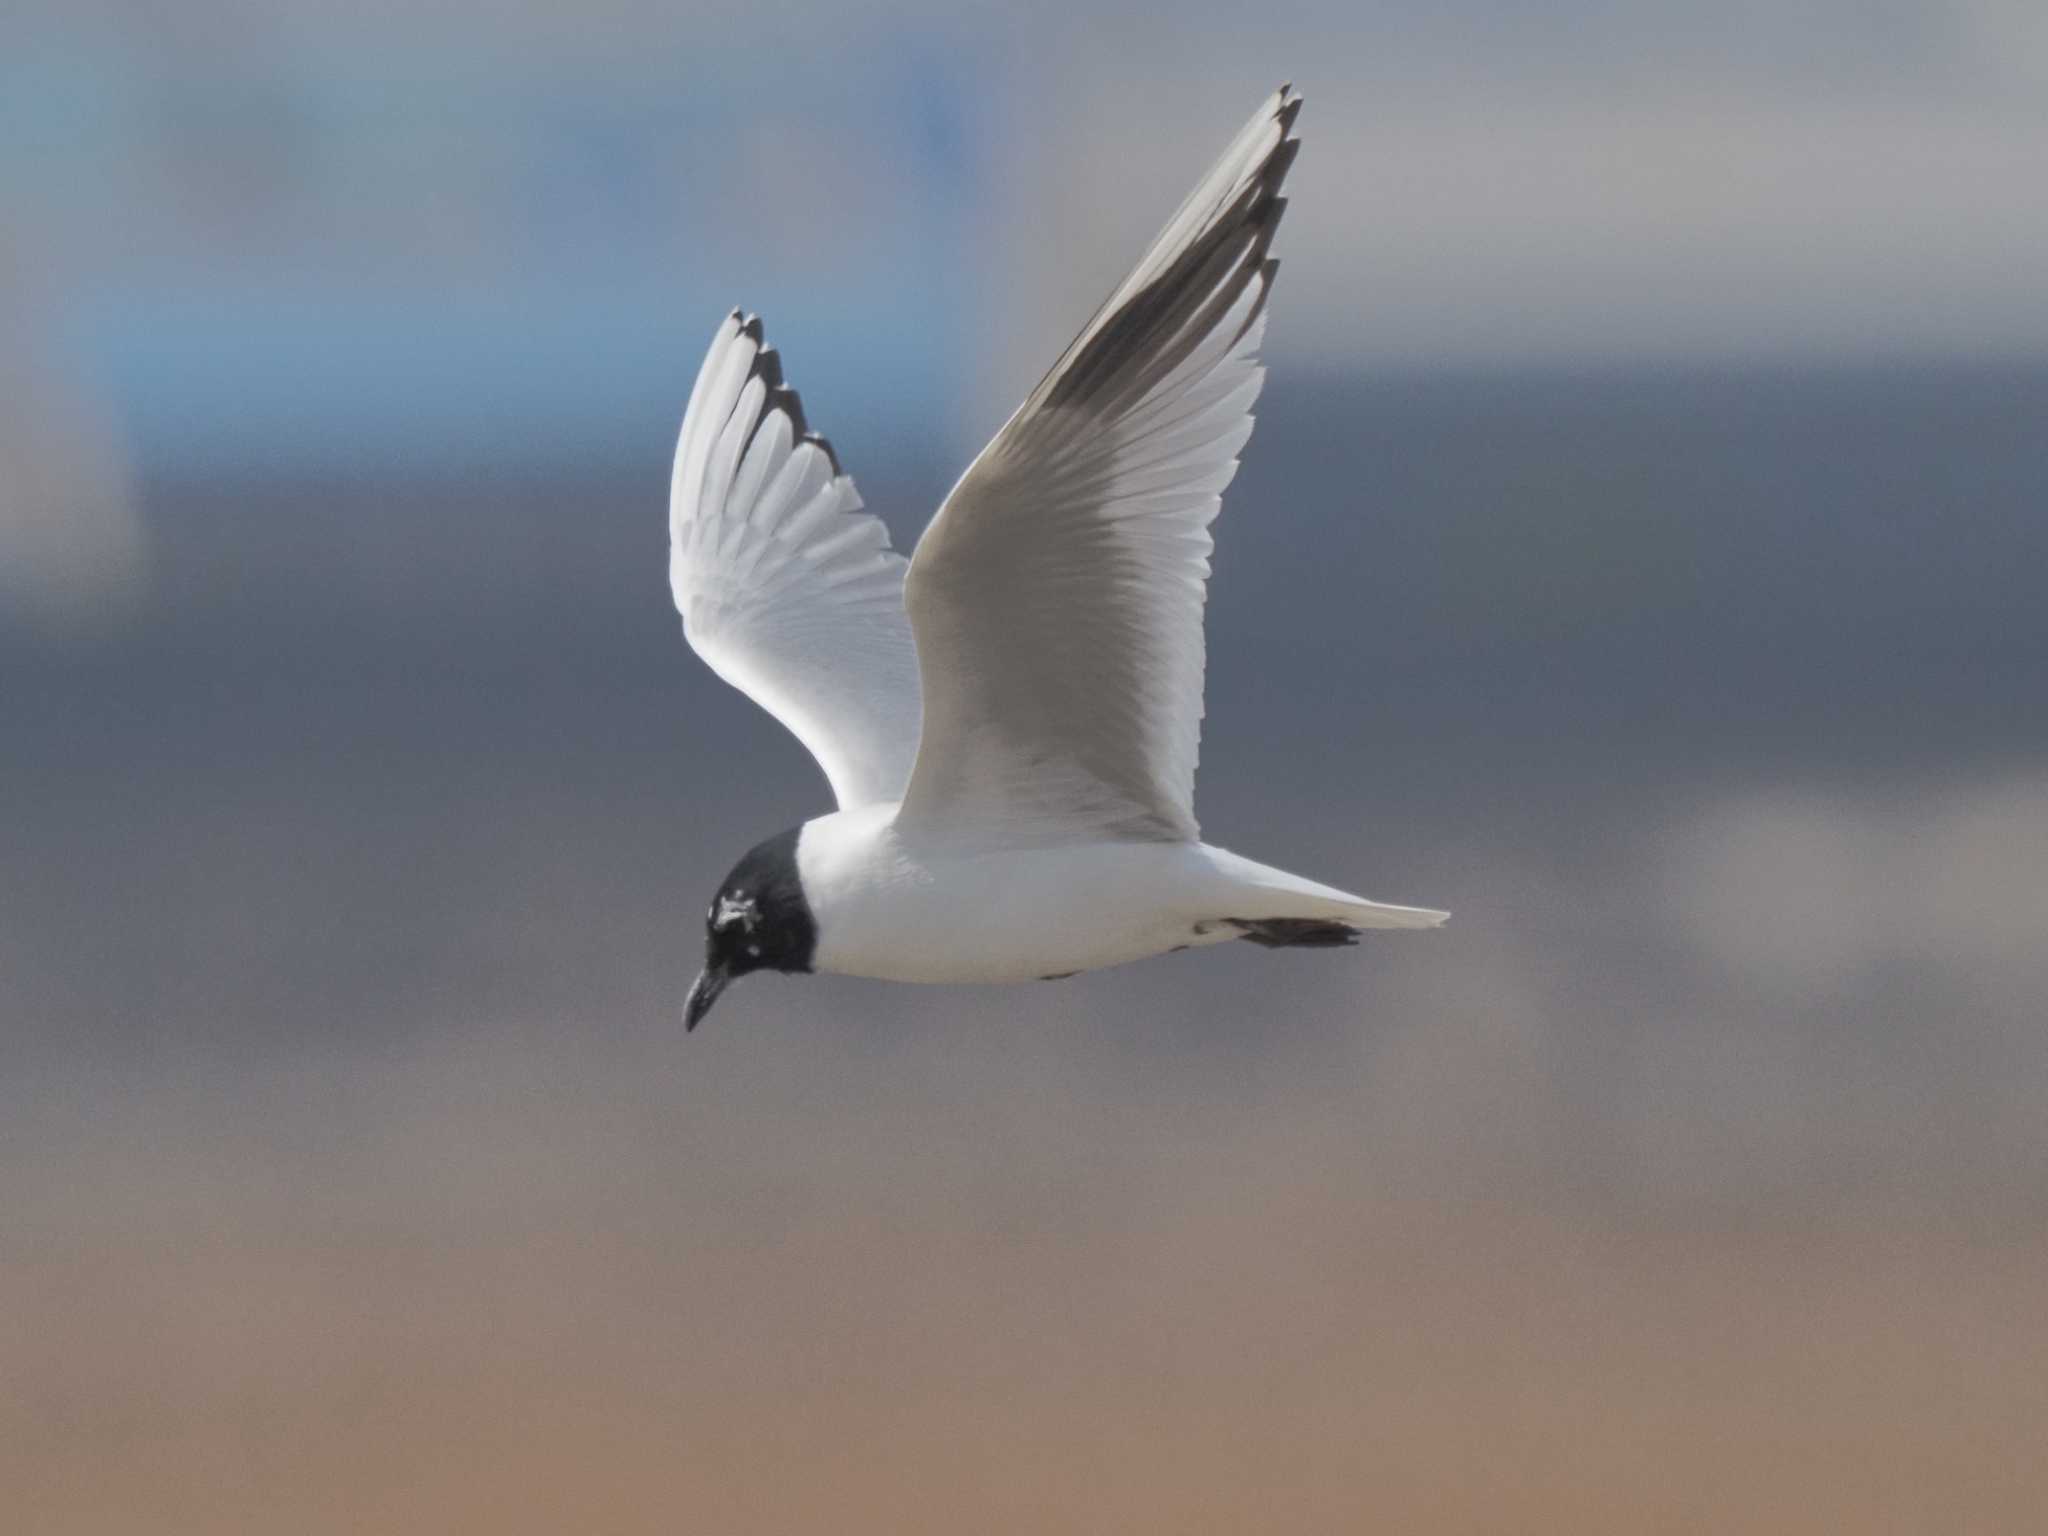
(1281, 910)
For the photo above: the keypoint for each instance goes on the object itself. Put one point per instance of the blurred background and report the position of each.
(1641, 553)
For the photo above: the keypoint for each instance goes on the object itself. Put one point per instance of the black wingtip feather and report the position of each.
(1233, 253)
(1267, 268)
(1281, 162)
(788, 400)
(767, 366)
(831, 457)
(784, 398)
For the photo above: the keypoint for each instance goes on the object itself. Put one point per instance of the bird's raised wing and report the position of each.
(787, 589)
(1057, 596)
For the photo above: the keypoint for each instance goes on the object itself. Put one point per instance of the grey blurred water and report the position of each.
(348, 895)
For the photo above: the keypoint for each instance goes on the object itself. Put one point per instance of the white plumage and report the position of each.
(1011, 732)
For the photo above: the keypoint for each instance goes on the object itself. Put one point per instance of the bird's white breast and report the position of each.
(899, 908)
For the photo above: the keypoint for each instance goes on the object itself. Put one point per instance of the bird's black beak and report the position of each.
(703, 993)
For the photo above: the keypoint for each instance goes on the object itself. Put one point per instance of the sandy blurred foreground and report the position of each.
(1432, 1242)
(1139, 1322)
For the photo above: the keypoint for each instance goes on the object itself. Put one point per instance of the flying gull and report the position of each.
(1009, 720)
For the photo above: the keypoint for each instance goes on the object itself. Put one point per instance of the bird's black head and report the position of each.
(759, 921)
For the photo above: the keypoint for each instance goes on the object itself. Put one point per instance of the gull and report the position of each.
(1009, 720)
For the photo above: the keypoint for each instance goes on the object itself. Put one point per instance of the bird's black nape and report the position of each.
(758, 921)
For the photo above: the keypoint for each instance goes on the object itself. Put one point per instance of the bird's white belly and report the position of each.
(904, 913)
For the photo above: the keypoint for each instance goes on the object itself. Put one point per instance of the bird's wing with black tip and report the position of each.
(788, 590)
(1057, 597)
